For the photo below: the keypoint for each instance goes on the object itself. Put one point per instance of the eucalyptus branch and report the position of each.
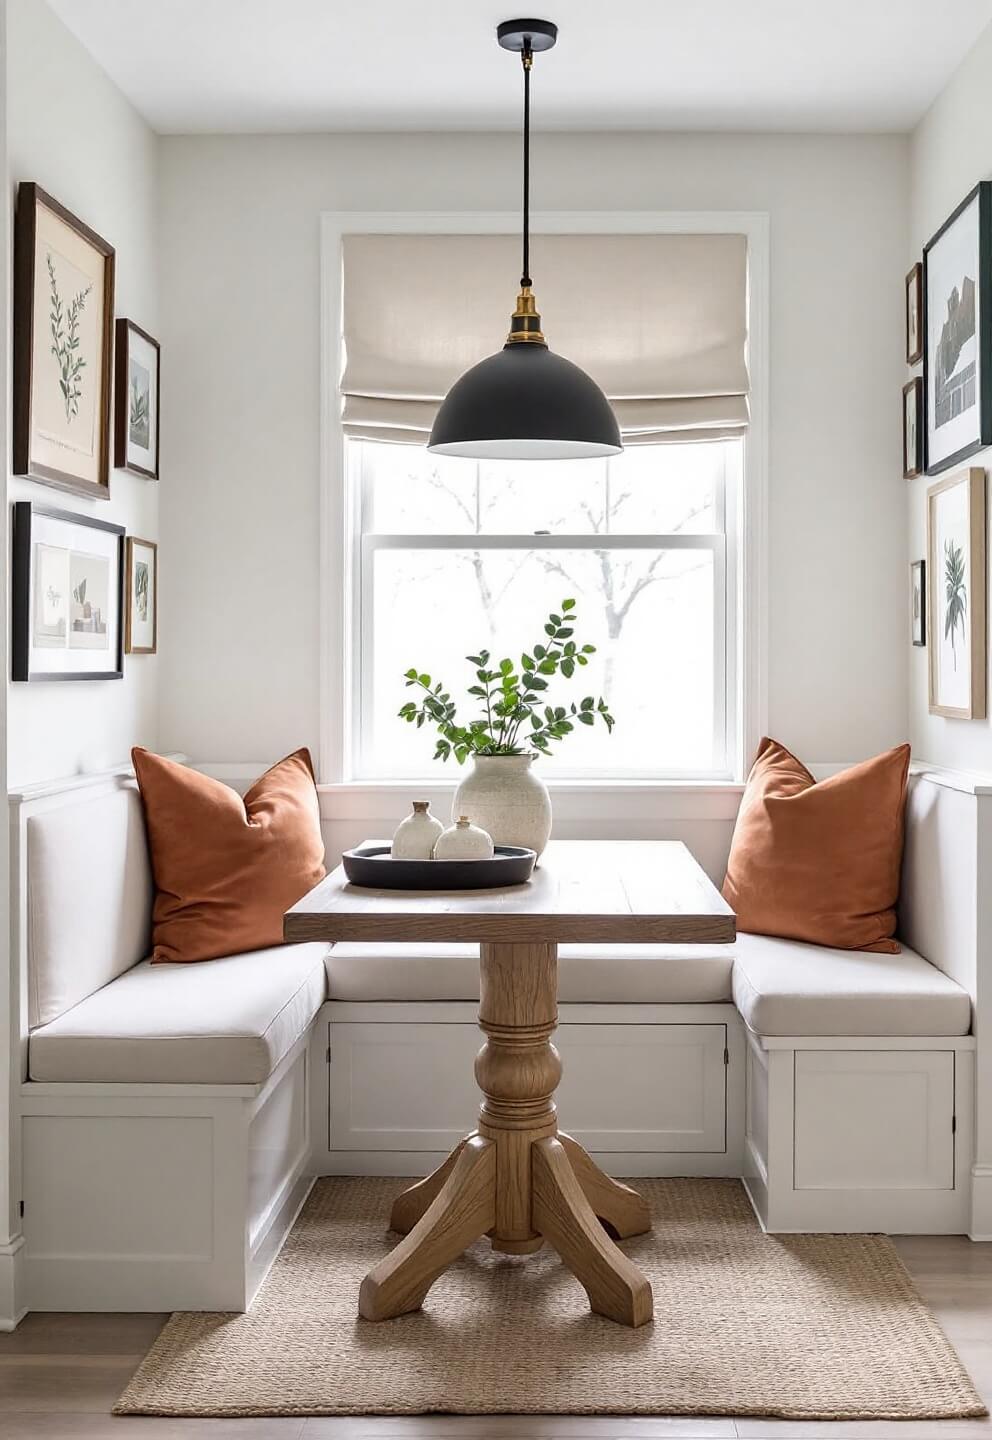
(509, 697)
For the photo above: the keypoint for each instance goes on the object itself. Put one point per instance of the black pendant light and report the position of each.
(525, 403)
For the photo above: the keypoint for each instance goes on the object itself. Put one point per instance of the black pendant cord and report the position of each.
(527, 56)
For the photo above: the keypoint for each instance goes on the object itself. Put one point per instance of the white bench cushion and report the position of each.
(786, 987)
(220, 1022)
(593, 974)
(89, 899)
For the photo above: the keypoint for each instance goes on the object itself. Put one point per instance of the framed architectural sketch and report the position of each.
(918, 601)
(136, 401)
(912, 429)
(141, 597)
(956, 600)
(66, 592)
(957, 354)
(914, 314)
(63, 343)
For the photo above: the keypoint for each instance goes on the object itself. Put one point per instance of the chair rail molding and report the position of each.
(337, 577)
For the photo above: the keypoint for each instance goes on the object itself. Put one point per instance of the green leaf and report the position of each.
(568, 604)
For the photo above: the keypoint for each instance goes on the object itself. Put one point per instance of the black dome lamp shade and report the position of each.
(525, 402)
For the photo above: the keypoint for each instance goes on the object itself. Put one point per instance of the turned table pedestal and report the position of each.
(517, 1178)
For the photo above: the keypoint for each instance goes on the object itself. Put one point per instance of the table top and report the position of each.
(613, 891)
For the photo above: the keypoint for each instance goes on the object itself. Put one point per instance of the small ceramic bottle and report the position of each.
(463, 841)
(416, 835)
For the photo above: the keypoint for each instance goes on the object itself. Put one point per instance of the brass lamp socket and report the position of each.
(525, 323)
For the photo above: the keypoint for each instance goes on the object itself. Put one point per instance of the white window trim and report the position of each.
(337, 577)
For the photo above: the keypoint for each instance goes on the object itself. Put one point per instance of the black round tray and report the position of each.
(374, 867)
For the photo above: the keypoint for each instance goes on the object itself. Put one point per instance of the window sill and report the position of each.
(622, 802)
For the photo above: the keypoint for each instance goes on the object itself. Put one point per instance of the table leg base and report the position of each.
(571, 1200)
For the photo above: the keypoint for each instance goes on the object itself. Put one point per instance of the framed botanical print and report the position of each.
(956, 602)
(141, 597)
(136, 400)
(914, 314)
(957, 353)
(918, 601)
(63, 343)
(66, 592)
(912, 429)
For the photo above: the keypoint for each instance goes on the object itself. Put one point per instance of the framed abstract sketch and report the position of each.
(66, 593)
(63, 343)
(956, 602)
(912, 429)
(141, 597)
(918, 601)
(957, 354)
(136, 401)
(914, 314)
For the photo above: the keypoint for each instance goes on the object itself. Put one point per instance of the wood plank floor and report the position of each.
(60, 1375)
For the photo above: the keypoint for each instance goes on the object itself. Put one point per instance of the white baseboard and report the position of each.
(981, 1203)
(12, 1306)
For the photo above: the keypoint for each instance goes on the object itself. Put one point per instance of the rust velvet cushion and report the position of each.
(226, 868)
(819, 861)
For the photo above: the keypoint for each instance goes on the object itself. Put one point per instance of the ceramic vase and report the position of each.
(417, 835)
(504, 795)
(463, 841)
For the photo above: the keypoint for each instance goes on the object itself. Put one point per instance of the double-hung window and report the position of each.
(453, 556)
(448, 557)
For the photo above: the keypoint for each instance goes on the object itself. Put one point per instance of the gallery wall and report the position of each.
(241, 330)
(70, 130)
(950, 151)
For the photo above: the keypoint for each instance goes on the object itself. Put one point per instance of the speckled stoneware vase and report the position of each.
(417, 835)
(463, 841)
(506, 798)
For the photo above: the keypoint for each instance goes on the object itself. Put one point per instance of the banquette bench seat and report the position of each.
(231, 1021)
(780, 987)
(173, 1116)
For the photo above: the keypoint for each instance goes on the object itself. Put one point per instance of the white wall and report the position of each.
(71, 131)
(240, 322)
(951, 150)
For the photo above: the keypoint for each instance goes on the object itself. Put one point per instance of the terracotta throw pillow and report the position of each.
(226, 868)
(819, 861)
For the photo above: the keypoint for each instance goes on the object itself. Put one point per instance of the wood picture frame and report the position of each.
(137, 400)
(67, 594)
(918, 602)
(957, 334)
(912, 429)
(140, 597)
(914, 314)
(63, 346)
(956, 599)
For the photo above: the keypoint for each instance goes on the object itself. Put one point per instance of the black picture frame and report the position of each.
(912, 448)
(982, 192)
(918, 614)
(25, 512)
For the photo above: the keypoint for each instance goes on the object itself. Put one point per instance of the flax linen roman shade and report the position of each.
(658, 321)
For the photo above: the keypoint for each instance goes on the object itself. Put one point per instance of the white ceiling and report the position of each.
(314, 65)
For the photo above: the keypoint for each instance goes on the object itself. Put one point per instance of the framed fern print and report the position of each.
(63, 345)
(136, 401)
(956, 605)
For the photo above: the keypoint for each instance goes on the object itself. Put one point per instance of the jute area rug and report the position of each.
(803, 1327)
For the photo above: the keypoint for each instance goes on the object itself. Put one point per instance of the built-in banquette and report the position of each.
(168, 1120)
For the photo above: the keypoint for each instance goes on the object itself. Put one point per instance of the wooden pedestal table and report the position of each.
(517, 1178)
